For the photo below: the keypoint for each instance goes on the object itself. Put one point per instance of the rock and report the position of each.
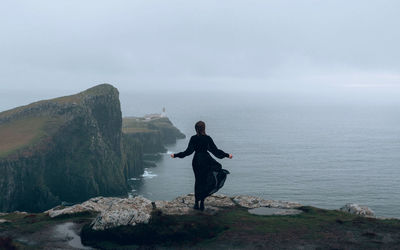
(219, 200)
(255, 202)
(20, 213)
(184, 204)
(116, 212)
(97, 204)
(2, 214)
(358, 210)
(173, 208)
(3, 221)
(123, 212)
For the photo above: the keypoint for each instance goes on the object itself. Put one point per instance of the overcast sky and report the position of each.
(298, 45)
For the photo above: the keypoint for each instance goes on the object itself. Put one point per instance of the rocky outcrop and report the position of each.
(114, 212)
(124, 212)
(358, 210)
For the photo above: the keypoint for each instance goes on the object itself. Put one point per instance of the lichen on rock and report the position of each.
(255, 202)
(358, 210)
(123, 212)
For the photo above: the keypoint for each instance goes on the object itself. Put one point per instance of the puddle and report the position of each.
(66, 232)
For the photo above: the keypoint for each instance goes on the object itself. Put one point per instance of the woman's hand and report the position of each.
(230, 156)
(172, 156)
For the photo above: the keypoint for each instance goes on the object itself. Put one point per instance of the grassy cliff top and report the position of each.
(102, 89)
(131, 125)
(24, 132)
(27, 130)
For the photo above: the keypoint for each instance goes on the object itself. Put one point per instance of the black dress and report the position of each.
(204, 164)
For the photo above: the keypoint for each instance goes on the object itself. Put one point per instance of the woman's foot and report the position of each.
(202, 206)
(196, 205)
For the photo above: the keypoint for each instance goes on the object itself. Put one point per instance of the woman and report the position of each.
(202, 162)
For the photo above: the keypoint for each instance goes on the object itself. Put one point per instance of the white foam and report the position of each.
(148, 174)
(169, 152)
(134, 179)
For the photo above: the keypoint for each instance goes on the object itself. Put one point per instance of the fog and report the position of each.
(328, 50)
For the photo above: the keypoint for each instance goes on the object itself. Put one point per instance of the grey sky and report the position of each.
(280, 45)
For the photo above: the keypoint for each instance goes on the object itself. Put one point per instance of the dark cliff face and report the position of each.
(77, 153)
(72, 148)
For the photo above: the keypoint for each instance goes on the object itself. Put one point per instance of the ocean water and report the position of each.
(316, 153)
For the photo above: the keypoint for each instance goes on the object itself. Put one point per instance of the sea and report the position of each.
(318, 152)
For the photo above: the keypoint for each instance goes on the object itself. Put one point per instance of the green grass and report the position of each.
(98, 90)
(137, 130)
(21, 133)
(132, 125)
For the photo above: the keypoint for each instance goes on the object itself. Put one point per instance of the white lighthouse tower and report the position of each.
(163, 114)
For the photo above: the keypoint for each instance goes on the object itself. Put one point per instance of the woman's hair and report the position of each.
(200, 127)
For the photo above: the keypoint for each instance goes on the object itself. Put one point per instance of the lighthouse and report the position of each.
(163, 114)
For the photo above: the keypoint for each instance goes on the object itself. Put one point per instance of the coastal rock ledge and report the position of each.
(114, 212)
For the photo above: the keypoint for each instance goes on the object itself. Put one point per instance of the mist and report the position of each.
(296, 50)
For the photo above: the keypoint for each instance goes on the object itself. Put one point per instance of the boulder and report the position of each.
(123, 212)
(3, 221)
(356, 209)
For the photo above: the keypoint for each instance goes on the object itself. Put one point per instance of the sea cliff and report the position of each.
(67, 149)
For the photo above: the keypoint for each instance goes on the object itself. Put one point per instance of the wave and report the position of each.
(148, 174)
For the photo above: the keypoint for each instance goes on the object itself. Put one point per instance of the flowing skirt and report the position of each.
(209, 175)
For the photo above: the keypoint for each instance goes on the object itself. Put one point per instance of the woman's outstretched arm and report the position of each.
(188, 151)
(215, 151)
